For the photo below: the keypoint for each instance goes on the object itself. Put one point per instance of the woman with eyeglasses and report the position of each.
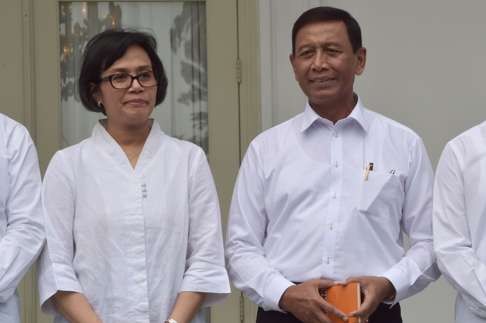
(132, 216)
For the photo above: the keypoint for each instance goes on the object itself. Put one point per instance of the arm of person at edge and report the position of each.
(457, 259)
(74, 307)
(417, 268)
(23, 237)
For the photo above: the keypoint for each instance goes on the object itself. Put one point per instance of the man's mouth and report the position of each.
(322, 80)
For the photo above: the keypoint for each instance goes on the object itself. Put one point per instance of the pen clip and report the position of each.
(368, 169)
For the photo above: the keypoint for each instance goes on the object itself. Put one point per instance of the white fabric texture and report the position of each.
(21, 230)
(302, 208)
(131, 239)
(460, 221)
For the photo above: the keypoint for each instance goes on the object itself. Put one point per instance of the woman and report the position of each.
(132, 216)
(460, 221)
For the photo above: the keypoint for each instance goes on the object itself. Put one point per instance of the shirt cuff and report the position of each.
(401, 280)
(214, 283)
(273, 292)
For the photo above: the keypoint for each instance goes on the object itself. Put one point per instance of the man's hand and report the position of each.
(305, 302)
(375, 290)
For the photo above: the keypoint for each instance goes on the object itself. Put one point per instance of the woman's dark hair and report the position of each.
(326, 14)
(103, 50)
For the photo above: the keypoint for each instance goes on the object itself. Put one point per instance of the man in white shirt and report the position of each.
(330, 194)
(460, 220)
(21, 230)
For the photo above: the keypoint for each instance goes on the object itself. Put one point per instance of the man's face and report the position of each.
(324, 63)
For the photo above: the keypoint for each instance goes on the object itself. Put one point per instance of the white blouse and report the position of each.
(130, 239)
(460, 221)
(21, 231)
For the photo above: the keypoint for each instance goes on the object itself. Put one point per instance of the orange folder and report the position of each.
(346, 298)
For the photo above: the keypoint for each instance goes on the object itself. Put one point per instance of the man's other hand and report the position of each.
(375, 290)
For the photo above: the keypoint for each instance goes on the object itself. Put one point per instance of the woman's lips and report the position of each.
(137, 102)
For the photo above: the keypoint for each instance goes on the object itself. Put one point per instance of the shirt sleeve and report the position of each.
(417, 268)
(452, 239)
(249, 270)
(205, 267)
(24, 235)
(56, 272)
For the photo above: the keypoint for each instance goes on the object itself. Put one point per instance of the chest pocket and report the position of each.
(382, 192)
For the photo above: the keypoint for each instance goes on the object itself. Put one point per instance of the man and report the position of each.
(459, 221)
(329, 195)
(21, 230)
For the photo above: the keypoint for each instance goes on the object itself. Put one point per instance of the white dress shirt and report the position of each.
(460, 221)
(302, 208)
(130, 239)
(21, 230)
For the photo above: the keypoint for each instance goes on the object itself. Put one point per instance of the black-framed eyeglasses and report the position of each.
(124, 80)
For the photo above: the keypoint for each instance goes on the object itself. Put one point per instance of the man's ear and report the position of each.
(292, 59)
(361, 61)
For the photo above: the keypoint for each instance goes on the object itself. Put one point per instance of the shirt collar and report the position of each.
(108, 144)
(358, 114)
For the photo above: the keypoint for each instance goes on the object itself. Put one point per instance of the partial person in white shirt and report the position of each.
(331, 194)
(21, 229)
(460, 221)
(132, 215)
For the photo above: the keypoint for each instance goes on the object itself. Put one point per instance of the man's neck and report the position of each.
(335, 111)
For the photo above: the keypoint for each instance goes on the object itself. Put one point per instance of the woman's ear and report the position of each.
(96, 94)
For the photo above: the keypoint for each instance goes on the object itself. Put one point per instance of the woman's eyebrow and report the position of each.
(125, 70)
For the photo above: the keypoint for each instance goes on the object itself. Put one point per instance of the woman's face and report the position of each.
(130, 107)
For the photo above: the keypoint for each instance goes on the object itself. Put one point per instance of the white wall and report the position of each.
(426, 67)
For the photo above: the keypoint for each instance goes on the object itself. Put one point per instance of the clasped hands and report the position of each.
(306, 303)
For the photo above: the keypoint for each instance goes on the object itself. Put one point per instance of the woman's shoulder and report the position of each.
(181, 145)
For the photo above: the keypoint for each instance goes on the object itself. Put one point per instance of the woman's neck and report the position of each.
(130, 139)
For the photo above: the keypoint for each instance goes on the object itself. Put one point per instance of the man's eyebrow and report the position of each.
(305, 46)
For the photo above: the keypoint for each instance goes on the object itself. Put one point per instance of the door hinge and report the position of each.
(238, 70)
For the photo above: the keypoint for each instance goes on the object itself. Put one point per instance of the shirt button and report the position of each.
(331, 227)
(335, 134)
(334, 196)
(336, 165)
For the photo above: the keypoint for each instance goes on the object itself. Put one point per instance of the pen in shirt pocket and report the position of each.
(368, 169)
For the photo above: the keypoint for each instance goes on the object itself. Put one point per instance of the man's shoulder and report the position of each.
(9, 126)
(278, 133)
(390, 127)
(475, 132)
(13, 133)
(472, 139)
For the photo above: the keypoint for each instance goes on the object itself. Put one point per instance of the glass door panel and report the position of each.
(180, 31)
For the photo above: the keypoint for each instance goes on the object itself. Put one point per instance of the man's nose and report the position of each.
(320, 61)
